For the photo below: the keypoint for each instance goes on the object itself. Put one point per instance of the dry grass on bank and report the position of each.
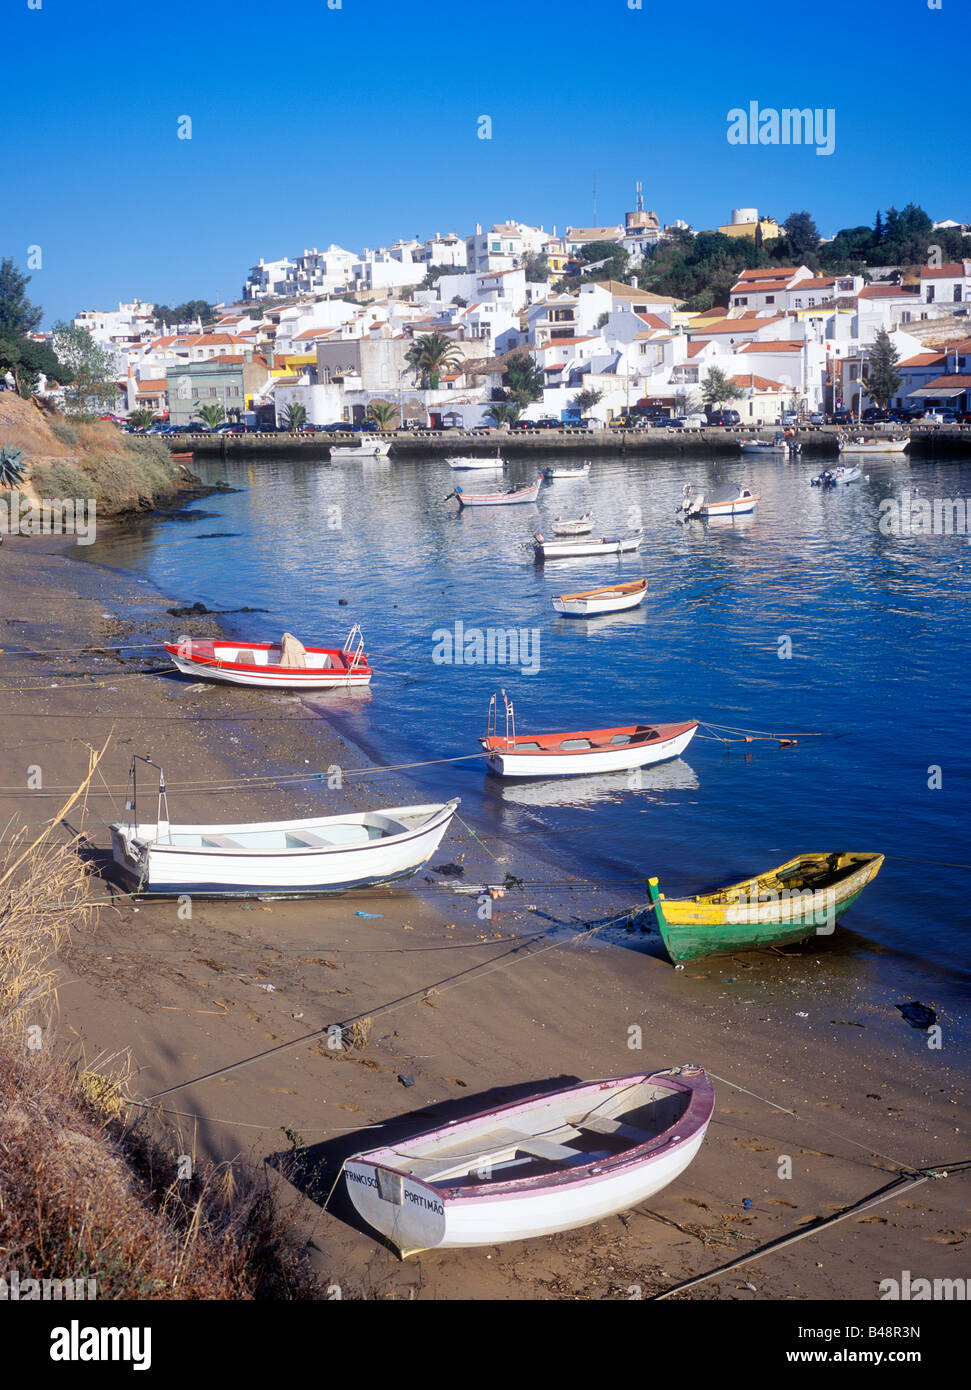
(85, 1191)
(87, 458)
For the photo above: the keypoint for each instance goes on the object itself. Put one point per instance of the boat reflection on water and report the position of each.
(332, 701)
(600, 622)
(595, 788)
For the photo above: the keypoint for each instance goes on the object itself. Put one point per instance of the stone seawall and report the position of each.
(930, 441)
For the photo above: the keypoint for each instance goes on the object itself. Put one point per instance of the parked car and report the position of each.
(940, 417)
(817, 418)
(789, 417)
(696, 421)
(723, 417)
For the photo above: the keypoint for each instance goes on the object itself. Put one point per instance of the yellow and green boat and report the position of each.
(802, 898)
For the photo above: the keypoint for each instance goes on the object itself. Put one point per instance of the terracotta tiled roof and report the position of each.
(758, 383)
(783, 345)
(945, 272)
(924, 359)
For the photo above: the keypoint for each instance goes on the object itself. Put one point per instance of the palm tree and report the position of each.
(212, 414)
(504, 413)
(294, 415)
(382, 413)
(141, 419)
(429, 355)
(586, 400)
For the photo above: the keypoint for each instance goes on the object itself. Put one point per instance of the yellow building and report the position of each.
(745, 221)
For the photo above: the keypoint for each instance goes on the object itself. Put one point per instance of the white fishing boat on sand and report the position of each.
(552, 1162)
(615, 598)
(578, 548)
(284, 859)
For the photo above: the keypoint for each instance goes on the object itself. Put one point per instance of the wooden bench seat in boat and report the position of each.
(599, 1124)
(496, 1145)
(220, 842)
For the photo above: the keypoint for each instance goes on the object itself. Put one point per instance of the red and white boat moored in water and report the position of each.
(581, 750)
(284, 665)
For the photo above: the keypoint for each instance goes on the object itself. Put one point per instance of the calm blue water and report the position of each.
(879, 665)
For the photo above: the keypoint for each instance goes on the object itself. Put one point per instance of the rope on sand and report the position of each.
(904, 1181)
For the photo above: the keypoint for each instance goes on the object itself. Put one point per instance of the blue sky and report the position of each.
(358, 125)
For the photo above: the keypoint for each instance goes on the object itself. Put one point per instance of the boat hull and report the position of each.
(499, 499)
(213, 661)
(586, 605)
(414, 1215)
(877, 446)
(158, 867)
(693, 927)
(504, 763)
(578, 549)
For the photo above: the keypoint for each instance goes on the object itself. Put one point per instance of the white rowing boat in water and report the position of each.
(612, 599)
(565, 754)
(552, 474)
(573, 526)
(283, 665)
(497, 499)
(549, 1163)
(570, 549)
(288, 858)
(891, 445)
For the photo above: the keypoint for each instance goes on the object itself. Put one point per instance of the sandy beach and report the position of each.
(812, 1063)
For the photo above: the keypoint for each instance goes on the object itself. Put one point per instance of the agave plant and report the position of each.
(12, 465)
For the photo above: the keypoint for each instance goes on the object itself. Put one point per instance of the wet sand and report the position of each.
(470, 1012)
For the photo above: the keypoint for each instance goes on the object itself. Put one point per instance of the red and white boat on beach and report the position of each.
(284, 665)
(580, 750)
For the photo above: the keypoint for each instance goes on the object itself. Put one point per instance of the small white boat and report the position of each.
(284, 665)
(582, 750)
(729, 500)
(469, 462)
(368, 448)
(834, 477)
(893, 444)
(570, 549)
(497, 499)
(552, 1162)
(781, 445)
(288, 858)
(612, 599)
(575, 526)
(552, 474)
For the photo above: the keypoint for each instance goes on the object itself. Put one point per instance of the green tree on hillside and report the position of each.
(25, 359)
(18, 317)
(90, 369)
(802, 237)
